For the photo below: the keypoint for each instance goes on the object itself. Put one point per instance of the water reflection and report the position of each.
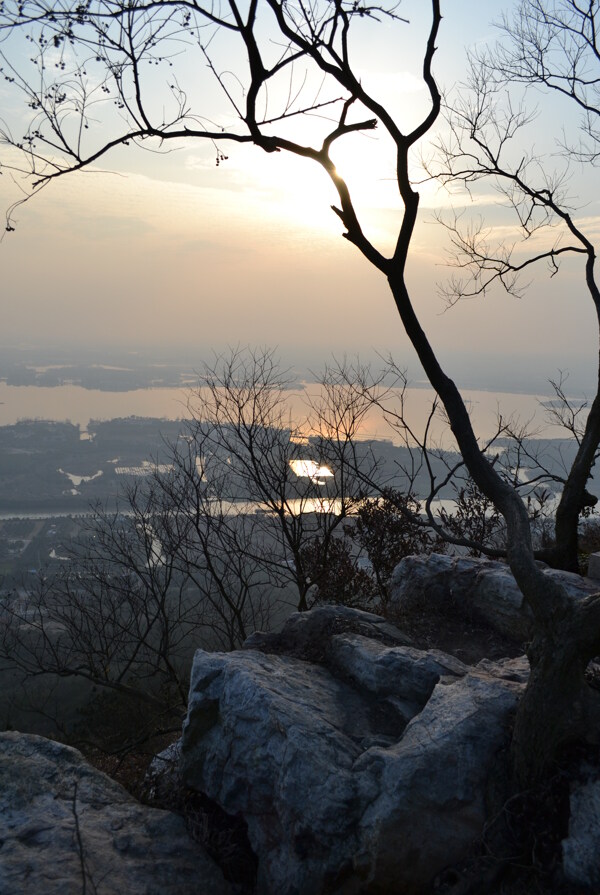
(80, 405)
(293, 506)
(310, 470)
(76, 480)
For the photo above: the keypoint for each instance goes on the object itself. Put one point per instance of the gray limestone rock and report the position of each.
(516, 669)
(307, 635)
(163, 778)
(593, 571)
(396, 673)
(430, 808)
(482, 588)
(339, 795)
(275, 739)
(66, 828)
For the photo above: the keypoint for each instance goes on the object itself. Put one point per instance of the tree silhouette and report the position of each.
(276, 63)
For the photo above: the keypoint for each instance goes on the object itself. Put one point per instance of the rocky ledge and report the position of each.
(67, 829)
(363, 772)
(350, 761)
(473, 587)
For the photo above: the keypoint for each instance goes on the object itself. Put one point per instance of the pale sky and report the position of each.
(173, 250)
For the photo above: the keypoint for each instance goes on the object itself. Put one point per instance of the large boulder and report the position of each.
(275, 739)
(66, 828)
(469, 586)
(364, 773)
(430, 807)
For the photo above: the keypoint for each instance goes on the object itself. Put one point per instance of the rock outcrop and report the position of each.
(481, 588)
(352, 762)
(307, 635)
(66, 829)
(364, 772)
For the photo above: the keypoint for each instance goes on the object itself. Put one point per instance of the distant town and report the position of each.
(120, 371)
(53, 472)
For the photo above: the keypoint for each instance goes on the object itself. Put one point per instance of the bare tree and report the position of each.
(100, 53)
(388, 528)
(111, 630)
(431, 501)
(555, 45)
(304, 473)
(552, 45)
(243, 522)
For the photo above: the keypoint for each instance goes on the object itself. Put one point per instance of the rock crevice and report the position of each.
(365, 772)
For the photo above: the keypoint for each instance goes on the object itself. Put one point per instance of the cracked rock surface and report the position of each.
(483, 588)
(67, 829)
(363, 772)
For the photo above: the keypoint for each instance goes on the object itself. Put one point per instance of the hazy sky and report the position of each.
(173, 250)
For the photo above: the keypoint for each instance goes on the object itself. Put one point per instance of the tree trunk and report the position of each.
(558, 705)
(575, 496)
(554, 708)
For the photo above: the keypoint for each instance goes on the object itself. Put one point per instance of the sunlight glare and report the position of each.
(311, 470)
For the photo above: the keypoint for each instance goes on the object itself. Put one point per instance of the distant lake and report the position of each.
(80, 405)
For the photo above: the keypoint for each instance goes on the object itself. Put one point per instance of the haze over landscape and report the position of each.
(163, 253)
(299, 431)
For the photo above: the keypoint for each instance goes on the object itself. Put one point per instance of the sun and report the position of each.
(365, 162)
